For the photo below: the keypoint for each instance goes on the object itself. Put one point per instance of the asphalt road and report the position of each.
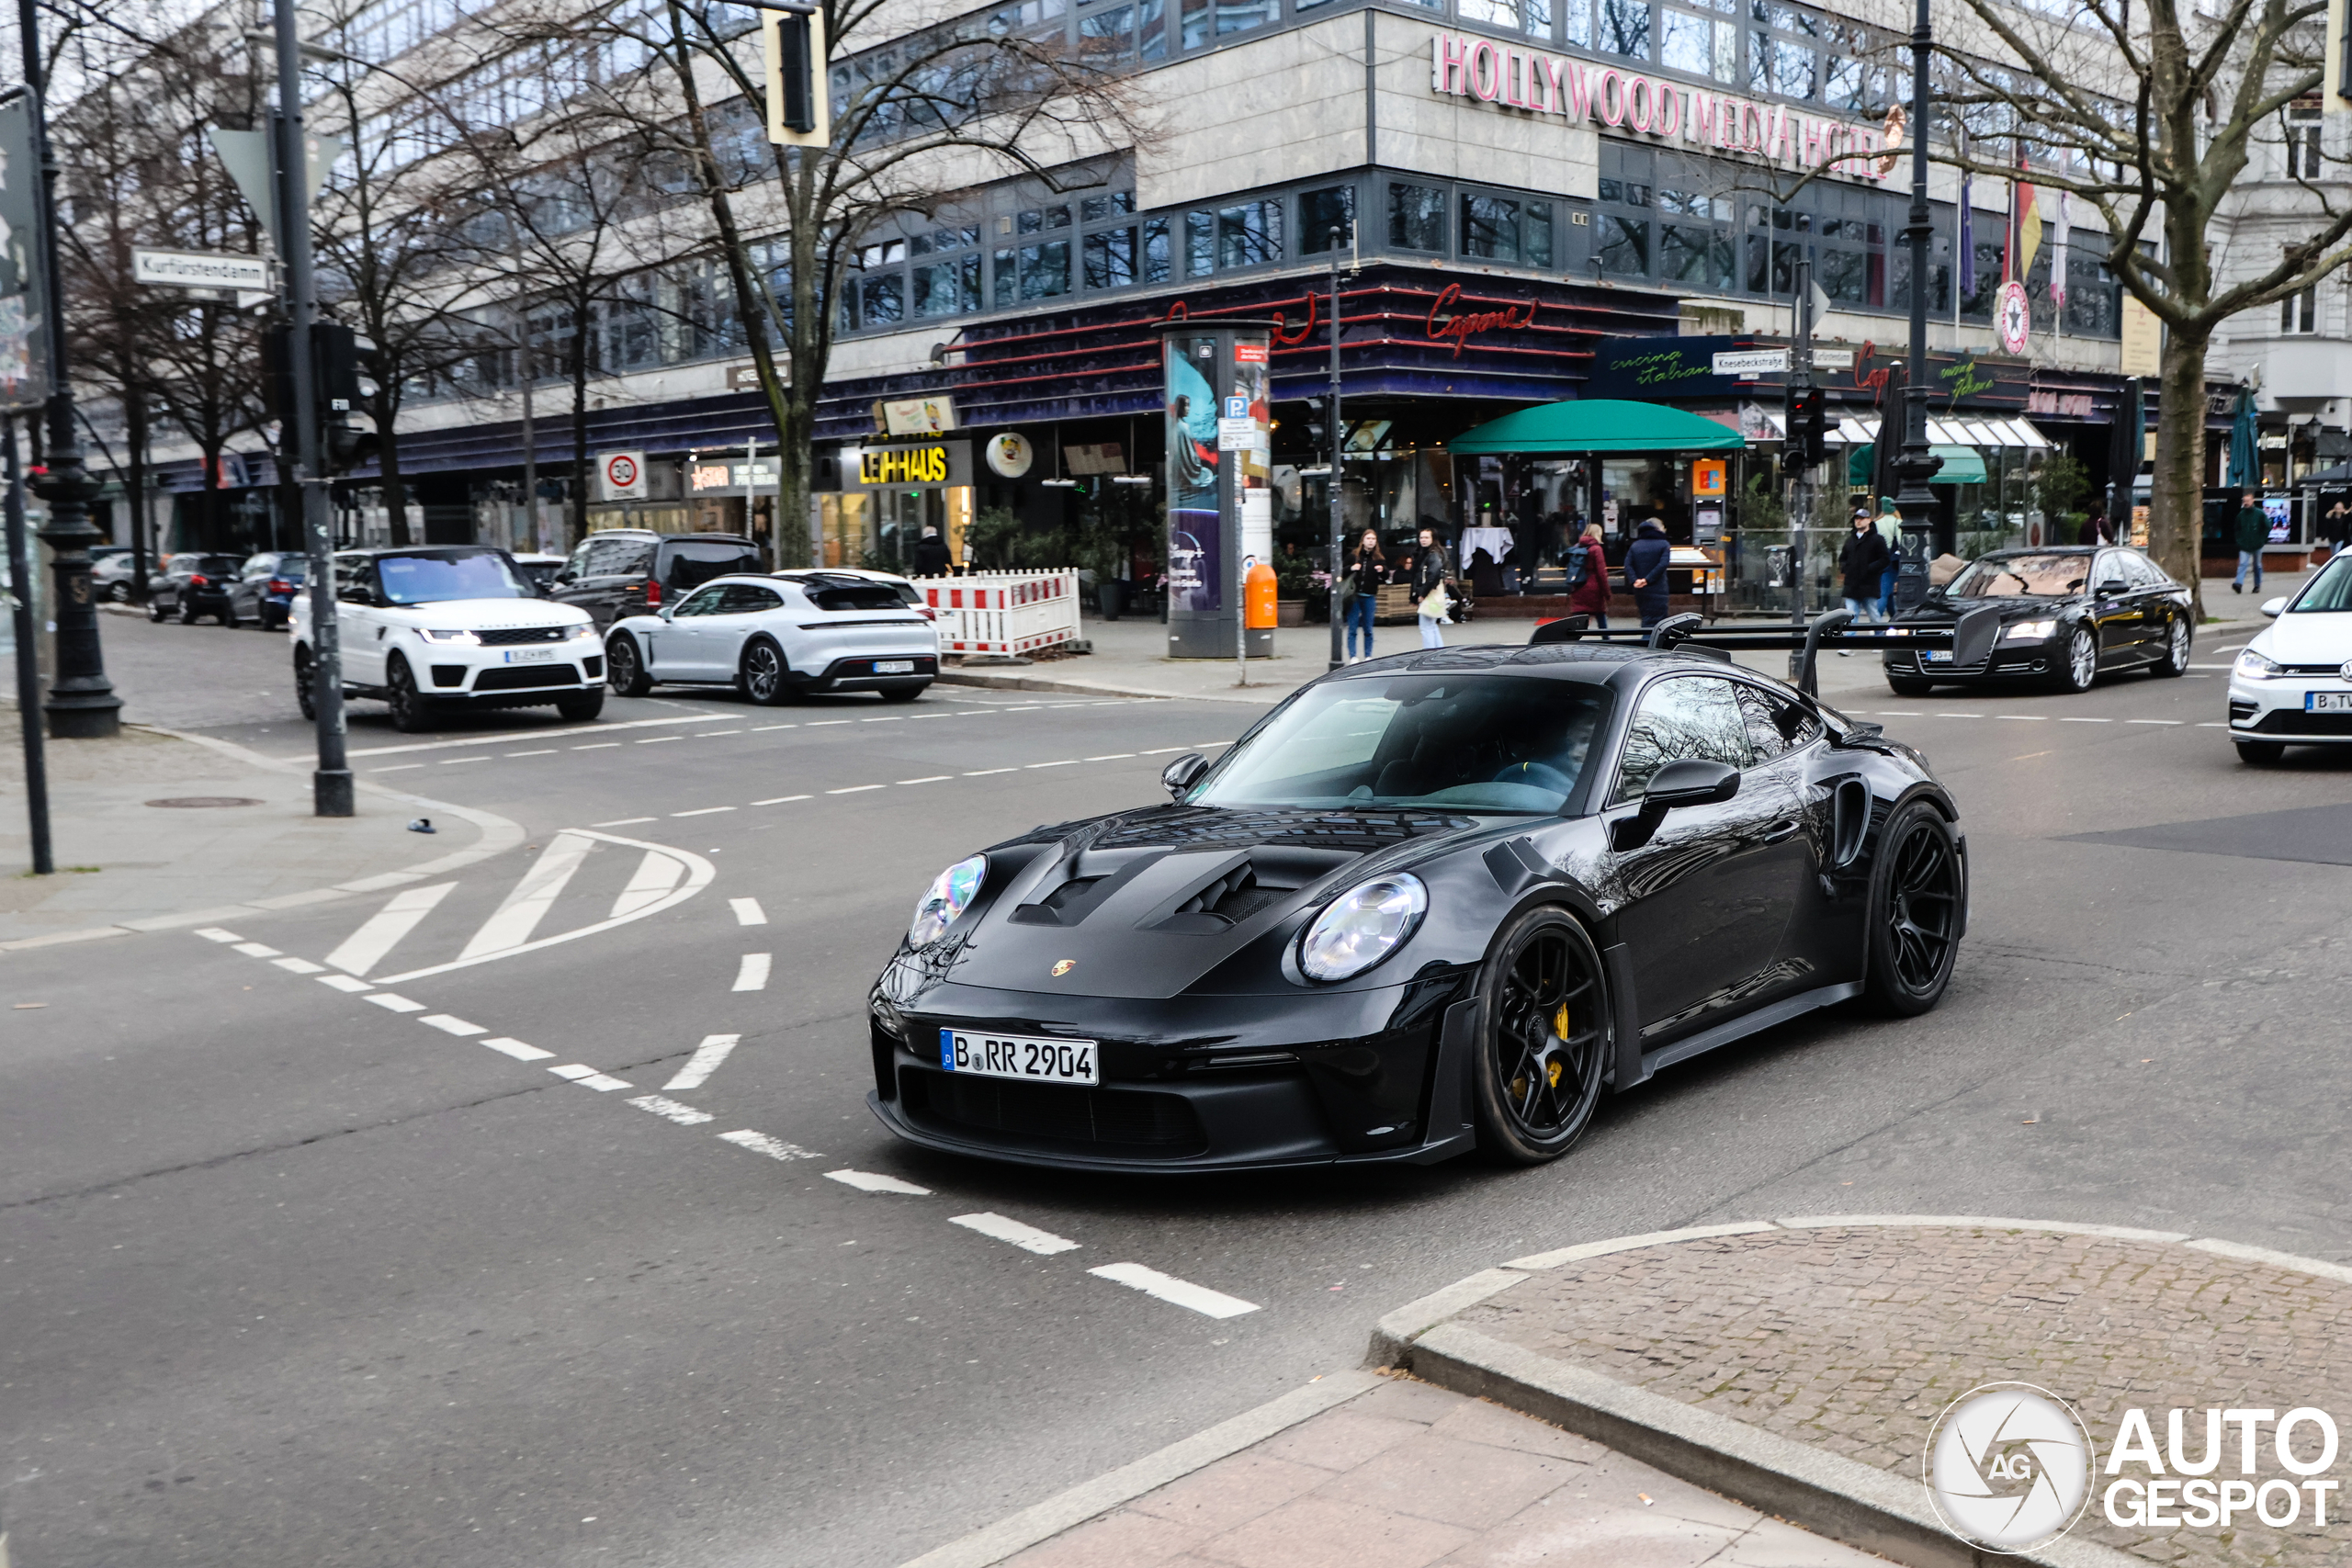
(290, 1277)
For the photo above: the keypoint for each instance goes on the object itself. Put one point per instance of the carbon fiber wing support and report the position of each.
(1970, 638)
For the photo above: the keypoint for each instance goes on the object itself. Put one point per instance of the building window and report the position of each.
(2300, 312)
(1624, 28)
(1497, 228)
(1107, 34)
(1699, 258)
(1200, 244)
(1094, 208)
(948, 287)
(1155, 249)
(881, 298)
(2303, 140)
(1032, 272)
(1533, 17)
(1152, 22)
(1417, 219)
(1249, 234)
(1623, 245)
(1327, 219)
(1703, 46)
(1111, 258)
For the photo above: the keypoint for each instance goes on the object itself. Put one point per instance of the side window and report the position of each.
(1686, 717)
(1775, 725)
(578, 565)
(2106, 566)
(2145, 573)
(621, 557)
(750, 599)
(709, 602)
(686, 563)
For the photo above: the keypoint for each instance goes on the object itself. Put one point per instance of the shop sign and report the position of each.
(705, 476)
(1010, 454)
(909, 465)
(1955, 379)
(1460, 326)
(2060, 405)
(2012, 317)
(1530, 80)
(1095, 457)
(918, 416)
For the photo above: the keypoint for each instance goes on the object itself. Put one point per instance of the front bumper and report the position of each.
(2009, 661)
(478, 677)
(1194, 1084)
(2273, 710)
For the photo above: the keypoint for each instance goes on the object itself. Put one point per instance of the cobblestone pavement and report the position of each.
(1856, 1339)
(1410, 1474)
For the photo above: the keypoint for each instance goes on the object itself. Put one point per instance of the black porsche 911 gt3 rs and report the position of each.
(1432, 902)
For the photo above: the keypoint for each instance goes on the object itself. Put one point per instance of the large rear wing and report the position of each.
(1970, 638)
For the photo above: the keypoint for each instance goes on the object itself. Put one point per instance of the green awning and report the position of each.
(1598, 424)
(1962, 466)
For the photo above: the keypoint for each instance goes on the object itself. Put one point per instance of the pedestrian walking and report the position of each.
(2254, 532)
(1588, 578)
(1359, 590)
(1865, 561)
(1645, 564)
(1890, 528)
(1432, 576)
(931, 555)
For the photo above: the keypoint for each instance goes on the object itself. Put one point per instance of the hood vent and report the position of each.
(1240, 887)
(1205, 827)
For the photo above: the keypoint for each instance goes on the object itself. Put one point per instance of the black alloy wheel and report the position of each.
(306, 671)
(2177, 644)
(1914, 911)
(624, 670)
(2260, 753)
(119, 592)
(582, 706)
(1544, 1039)
(1910, 685)
(762, 678)
(411, 710)
(2079, 667)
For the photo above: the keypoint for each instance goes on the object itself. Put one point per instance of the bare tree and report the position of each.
(2152, 114)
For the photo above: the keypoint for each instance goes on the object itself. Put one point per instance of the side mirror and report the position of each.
(666, 611)
(1183, 774)
(1687, 782)
(2274, 608)
(2112, 587)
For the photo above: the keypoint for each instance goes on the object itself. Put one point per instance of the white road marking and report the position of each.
(2028, 717)
(513, 922)
(1064, 762)
(891, 719)
(2168, 721)
(983, 773)
(397, 768)
(1157, 750)
(708, 1055)
(929, 778)
(603, 1083)
(780, 800)
(655, 876)
(1110, 756)
(574, 1070)
(345, 982)
(763, 729)
(1026, 707)
(364, 948)
(702, 811)
(516, 1049)
(542, 751)
(2064, 718)
(708, 734)
(1029, 1238)
(395, 1003)
(683, 1115)
(871, 1181)
(821, 722)
(214, 933)
(752, 976)
(598, 746)
(748, 911)
(454, 762)
(449, 1025)
(255, 950)
(624, 822)
(298, 966)
(1898, 713)
(1175, 1292)
(857, 789)
(2213, 723)
(1960, 715)
(659, 738)
(761, 1144)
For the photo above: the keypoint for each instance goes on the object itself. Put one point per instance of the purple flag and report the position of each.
(1967, 241)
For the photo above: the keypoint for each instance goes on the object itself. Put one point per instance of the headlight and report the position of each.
(2028, 631)
(585, 629)
(950, 894)
(429, 634)
(1362, 926)
(2255, 667)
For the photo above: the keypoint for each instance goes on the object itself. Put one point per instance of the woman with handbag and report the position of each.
(1588, 578)
(1360, 589)
(1432, 587)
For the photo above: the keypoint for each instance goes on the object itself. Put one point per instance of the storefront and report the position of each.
(875, 497)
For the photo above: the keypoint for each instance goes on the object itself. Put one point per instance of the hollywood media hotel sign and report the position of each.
(1548, 84)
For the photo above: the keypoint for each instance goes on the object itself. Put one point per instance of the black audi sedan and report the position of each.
(1431, 903)
(2069, 615)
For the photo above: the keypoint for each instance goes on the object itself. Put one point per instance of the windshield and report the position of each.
(422, 580)
(1470, 743)
(2022, 577)
(2330, 591)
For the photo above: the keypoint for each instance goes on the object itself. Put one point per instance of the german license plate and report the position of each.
(894, 667)
(1017, 1056)
(1936, 656)
(2328, 702)
(530, 655)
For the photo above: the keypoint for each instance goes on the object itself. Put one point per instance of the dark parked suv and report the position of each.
(266, 587)
(628, 571)
(192, 584)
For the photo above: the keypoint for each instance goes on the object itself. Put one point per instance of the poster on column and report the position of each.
(1255, 477)
(1196, 556)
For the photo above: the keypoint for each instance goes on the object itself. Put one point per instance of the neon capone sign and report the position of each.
(1495, 73)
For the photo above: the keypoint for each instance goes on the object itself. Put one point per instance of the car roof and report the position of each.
(413, 549)
(657, 533)
(1596, 663)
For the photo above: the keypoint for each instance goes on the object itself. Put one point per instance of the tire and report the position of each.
(763, 673)
(305, 677)
(2079, 668)
(228, 617)
(2261, 753)
(1533, 1090)
(1910, 685)
(2178, 642)
(187, 612)
(579, 709)
(624, 670)
(903, 693)
(155, 611)
(1918, 888)
(119, 592)
(412, 710)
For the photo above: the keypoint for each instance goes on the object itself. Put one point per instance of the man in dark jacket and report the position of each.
(1646, 563)
(1865, 561)
(2254, 532)
(931, 555)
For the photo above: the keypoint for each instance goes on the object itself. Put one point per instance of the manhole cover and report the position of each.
(189, 802)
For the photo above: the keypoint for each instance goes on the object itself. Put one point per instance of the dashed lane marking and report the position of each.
(393, 1002)
(298, 966)
(873, 1181)
(1175, 1292)
(929, 778)
(397, 768)
(763, 729)
(454, 762)
(449, 1025)
(824, 723)
(1029, 1238)
(748, 911)
(1061, 763)
(782, 799)
(714, 734)
(702, 811)
(657, 741)
(589, 1077)
(761, 1144)
(516, 1049)
(542, 751)
(857, 789)
(714, 1050)
(2164, 721)
(1111, 756)
(598, 746)
(669, 1109)
(984, 772)
(214, 933)
(753, 974)
(2069, 718)
(255, 950)
(345, 982)
(624, 822)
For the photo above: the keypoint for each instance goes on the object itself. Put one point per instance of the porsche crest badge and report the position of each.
(1064, 967)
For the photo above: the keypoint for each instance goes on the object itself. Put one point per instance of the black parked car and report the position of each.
(2069, 614)
(1433, 902)
(629, 571)
(266, 587)
(192, 584)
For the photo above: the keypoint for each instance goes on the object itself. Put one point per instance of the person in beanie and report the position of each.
(931, 555)
(2254, 532)
(1865, 561)
(1588, 578)
(1646, 563)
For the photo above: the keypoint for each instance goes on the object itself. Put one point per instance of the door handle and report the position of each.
(1781, 830)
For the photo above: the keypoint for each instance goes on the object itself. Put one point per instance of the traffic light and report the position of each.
(339, 357)
(1808, 414)
(799, 113)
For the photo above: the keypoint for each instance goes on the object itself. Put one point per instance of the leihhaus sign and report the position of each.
(1497, 72)
(911, 466)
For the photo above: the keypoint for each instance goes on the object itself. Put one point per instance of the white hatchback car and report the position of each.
(433, 627)
(773, 636)
(2292, 685)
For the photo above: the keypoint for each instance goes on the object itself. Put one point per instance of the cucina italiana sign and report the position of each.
(1501, 73)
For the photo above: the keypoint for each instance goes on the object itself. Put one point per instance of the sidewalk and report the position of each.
(240, 836)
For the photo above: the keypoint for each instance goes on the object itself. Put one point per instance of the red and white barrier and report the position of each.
(1003, 612)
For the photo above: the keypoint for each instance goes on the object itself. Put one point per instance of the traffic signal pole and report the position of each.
(331, 780)
(1799, 443)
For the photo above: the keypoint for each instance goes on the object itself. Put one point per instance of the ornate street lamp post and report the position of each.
(1917, 463)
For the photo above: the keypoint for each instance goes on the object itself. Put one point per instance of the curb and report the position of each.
(499, 834)
(1825, 1493)
(1045, 1520)
(1089, 689)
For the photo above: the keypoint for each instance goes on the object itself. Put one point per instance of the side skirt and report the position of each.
(1749, 1023)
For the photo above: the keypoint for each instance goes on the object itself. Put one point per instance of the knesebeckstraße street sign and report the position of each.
(201, 269)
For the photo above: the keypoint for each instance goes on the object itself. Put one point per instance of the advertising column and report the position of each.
(1220, 508)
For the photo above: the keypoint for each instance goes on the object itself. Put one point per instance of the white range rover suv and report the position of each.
(431, 627)
(773, 636)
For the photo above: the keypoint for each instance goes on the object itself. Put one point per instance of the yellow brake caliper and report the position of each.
(1560, 1027)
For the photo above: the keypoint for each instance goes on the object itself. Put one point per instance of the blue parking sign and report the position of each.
(1237, 407)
